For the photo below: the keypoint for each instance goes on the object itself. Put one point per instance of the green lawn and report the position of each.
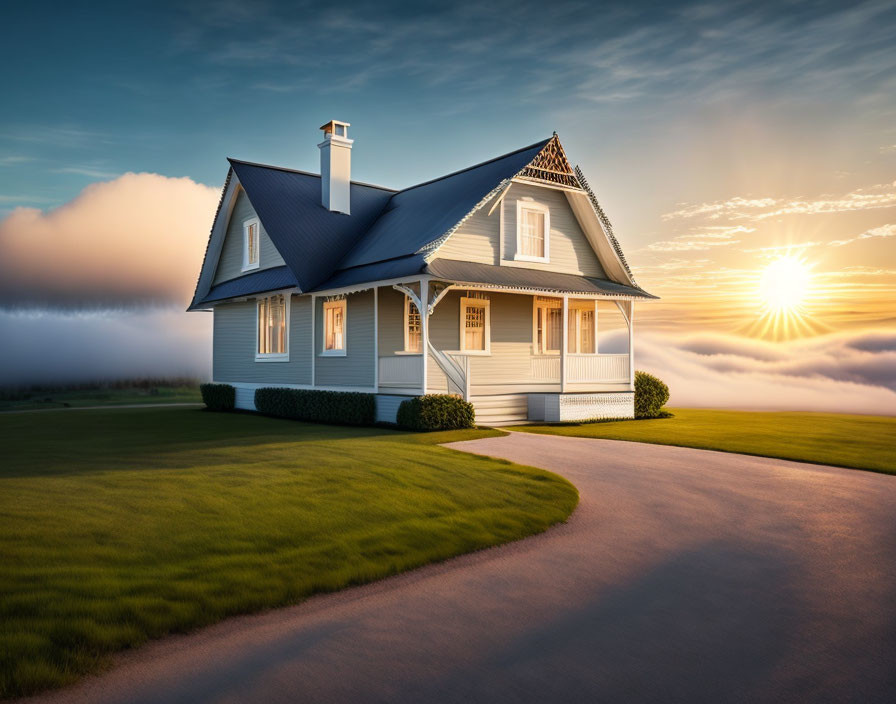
(858, 442)
(78, 398)
(119, 526)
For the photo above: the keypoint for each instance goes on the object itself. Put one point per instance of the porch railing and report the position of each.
(404, 370)
(597, 367)
(582, 368)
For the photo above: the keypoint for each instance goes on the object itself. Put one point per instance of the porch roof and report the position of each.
(459, 272)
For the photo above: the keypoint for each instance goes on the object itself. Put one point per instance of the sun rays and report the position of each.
(785, 289)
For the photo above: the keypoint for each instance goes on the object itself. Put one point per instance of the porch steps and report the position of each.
(502, 409)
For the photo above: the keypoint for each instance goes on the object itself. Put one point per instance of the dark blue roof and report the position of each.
(420, 215)
(384, 237)
(257, 282)
(310, 238)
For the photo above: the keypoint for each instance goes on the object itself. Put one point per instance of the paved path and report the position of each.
(683, 576)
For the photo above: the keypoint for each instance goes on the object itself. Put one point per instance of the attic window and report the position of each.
(251, 234)
(533, 228)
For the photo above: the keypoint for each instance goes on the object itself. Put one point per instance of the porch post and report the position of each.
(564, 333)
(424, 329)
(376, 339)
(313, 338)
(631, 343)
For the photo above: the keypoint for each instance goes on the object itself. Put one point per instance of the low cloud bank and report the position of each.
(850, 372)
(53, 347)
(134, 241)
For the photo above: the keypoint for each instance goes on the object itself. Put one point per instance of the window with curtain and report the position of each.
(272, 316)
(581, 334)
(334, 327)
(548, 325)
(533, 229)
(413, 330)
(474, 322)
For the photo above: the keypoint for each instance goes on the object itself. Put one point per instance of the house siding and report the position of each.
(230, 264)
(356, 367)
(570, 250)
(234, 345)
(390, 319)
(479, 238)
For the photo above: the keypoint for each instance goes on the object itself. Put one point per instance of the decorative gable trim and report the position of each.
(605, 223)
(552, 166)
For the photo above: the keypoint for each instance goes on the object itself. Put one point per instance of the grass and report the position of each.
(856, 442)
(41, 399)
(120, 526)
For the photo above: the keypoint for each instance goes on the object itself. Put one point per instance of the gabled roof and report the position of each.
(388, 234)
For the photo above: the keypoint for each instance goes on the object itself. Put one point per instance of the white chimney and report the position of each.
(336, 167)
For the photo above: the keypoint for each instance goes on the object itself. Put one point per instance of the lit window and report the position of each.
(334, 327)
(273, 313)
(474, 325)
(548, 325)
(413, 337)
(250, 244)
(581, 332)
(533, 229)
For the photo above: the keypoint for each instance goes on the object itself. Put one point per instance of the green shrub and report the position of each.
(435, 412)
(337, 407)
(650, 395)
(218, 397)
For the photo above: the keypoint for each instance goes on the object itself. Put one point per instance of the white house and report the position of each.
(482, 283)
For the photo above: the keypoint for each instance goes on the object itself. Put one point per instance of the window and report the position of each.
(334, 327)
(413, 330)
(251, 234)
(475, 325)
(582, 334)
(533, 227)
(581, 326)
(548, 325)
(273, 329)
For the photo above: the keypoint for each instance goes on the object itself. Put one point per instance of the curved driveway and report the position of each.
(683, 576)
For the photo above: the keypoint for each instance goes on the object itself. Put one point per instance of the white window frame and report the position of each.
(531, 205)
(273, 356)
(407, 310)
(466, 302)
(339, 303)
(575, 311)
(247, 265)
(536, 304)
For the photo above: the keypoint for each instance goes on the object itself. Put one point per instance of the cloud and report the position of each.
(882, 231)
(702, 239)
(59, 347)
(135, 240)
(757, 209)
(850, 372)
(86, 171)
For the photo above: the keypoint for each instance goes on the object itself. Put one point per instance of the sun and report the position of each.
(784, 285)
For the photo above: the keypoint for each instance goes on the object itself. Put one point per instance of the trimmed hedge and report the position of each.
(436, 412)
(337, 407)
(650, 395)
(218, 397)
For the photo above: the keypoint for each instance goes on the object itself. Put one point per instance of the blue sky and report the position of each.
(717, 135)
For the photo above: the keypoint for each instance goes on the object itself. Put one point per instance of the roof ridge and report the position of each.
(476, 166)
(305, 173)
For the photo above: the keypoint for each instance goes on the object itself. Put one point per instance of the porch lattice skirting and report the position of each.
(558, 408)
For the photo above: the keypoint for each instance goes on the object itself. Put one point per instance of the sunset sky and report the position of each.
(718, 137)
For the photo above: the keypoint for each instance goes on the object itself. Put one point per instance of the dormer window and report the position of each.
(533, 229)
(251, 236)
